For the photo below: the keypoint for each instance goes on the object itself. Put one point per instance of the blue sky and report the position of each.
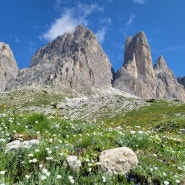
(27, 25)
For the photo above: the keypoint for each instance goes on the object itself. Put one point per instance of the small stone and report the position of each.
(73, 163)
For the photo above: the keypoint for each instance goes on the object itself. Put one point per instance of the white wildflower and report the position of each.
(132, 132)
(34, 160)
(43, 177)
(59, 176)
(2, 172)
(49, 152)
(166, 183)
(72, 181)
(30, 155)
(104, 179)
(49, 158)
(27, 176)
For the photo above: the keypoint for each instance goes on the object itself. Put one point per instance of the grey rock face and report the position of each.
(8, 66)
(167, 82)
(139, 77)
(74, 60)
(181, 80)
(137, 74)
(118, 160)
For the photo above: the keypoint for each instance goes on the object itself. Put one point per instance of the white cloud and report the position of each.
(59, 4)
(66, 23)
(106, 21)
(131, 20)
(139, 1)
(101, 34)
(70, 19)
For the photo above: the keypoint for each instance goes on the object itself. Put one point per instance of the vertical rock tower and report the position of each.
(8, 66)
(137, 74)
(139, 77)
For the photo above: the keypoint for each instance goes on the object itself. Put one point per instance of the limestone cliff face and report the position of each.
(167, 82)
(8, 66)
(137, 58)
(74, 60)
(139, 77)
(137, 74)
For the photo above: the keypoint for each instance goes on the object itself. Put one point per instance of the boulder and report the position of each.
(118, 160)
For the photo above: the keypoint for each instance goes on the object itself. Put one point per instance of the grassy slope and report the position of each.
(153, 132)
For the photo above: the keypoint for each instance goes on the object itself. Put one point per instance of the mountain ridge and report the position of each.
(77, 61)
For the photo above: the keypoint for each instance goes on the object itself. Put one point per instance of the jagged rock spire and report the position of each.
(137, 74)
(137, 57)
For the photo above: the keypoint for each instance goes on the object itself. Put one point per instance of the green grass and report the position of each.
(148, 116)
(153, 132)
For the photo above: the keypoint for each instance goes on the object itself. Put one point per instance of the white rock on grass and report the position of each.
(118, 160)
(17, 144)
(73, 163)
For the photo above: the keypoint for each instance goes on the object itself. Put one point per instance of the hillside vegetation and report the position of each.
(155, 131)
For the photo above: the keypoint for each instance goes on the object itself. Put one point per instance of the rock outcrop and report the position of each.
(8, 66)
(74, 60)
(137, 75)
(181, 80)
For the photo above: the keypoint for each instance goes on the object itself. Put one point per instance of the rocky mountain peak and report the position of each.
(161, 65)
(137, 57)
(73, 60)
(8, 66)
